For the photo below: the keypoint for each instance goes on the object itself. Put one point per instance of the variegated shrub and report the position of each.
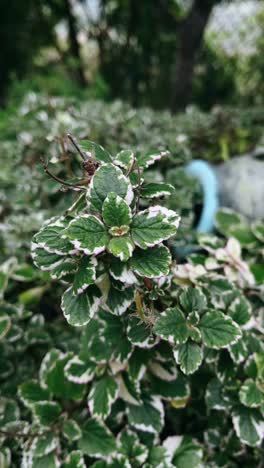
(165, 367)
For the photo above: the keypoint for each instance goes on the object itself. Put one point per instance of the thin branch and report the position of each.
(82, 154)
(58, 179)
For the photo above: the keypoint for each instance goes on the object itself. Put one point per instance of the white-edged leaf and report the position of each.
(95, 151)
(171, 325)
(184, 452)
(249, 426)
(44, 444)
(240, 310)
(156, 190)
(152, 263)
(120, 271)
(130, 446)
(71, 430)
(75, 459)
(125, 159)
(78, 371)
(102, 395)
(250, 395)
(218, 330)
(67, 267)
(189, 356)
(108, 178)
(147, 159)
(79, 309)
(52, 374)
(177, 391)
(96, 441)
(116, 338)
(44, 260)
(116, 211)
(193, 299)
(153, 225)
(85, 275)
(88, 234)
(140, 334)
(117, 301)
(46, 412)
(50, 238)
(148, 416)
(121, 247)
(214, 396)
(30, 392)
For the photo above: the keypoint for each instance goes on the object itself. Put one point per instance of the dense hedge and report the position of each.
(161, 363)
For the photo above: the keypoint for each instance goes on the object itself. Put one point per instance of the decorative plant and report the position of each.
(164, 366)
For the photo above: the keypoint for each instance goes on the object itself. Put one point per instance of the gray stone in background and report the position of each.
(241, 185)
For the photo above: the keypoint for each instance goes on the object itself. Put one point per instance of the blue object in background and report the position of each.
(202, 171)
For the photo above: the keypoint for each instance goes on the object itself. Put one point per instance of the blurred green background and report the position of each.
(165, 54)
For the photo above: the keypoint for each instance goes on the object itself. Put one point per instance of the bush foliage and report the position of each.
(113, 351)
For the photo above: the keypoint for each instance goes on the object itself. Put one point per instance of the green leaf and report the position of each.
(248, 424)
(257, 269)
(78, 371)
(152, 263)
(116, 211)
(148, 416)
(108, 178)
(53, 375)
(74, 460)
(171, 326)
(88, 234)
(50, 238)
(102, 395)
(78, 310)
(140, 334)
(215, 396)
(44, 260)
(65, 268)
(71, 430)
(189, 356)
(85, 275)
(118, 301)
(125, 159)
(130, 446)
(258, 231)
(5, 325)
(184, 452)
(46, 412)
(44, 444)
(121, 247)
(116, 338)
(158, 457)
(153, 225)
(48, 461)
(177, 390)
(120, 271)
(240, 310)
(218, 330)
(156, 190)
(250, 395)
(31, 392)
(147, 159)
(96, 441)
(226, 220)
(244, 235)
(95, 151)
(239, 351)
(193, 299)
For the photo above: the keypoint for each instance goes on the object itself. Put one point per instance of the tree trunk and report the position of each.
(74, 44)
(191, 37)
